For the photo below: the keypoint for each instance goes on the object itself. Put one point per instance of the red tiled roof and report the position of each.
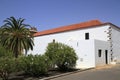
(82, 25)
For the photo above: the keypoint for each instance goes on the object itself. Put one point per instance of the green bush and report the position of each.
(51, 53)
(7, 66)
(10, 65)
(61, 55)
(19, 63)
(35, 65)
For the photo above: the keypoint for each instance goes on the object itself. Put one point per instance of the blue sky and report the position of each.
(47, 14)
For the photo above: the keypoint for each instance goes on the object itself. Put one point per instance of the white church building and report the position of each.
(95, 43)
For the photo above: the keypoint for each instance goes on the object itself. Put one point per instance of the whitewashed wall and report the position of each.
(73, 39)
(101, 45)
(85, 51)
(65, 37)
(116, 43)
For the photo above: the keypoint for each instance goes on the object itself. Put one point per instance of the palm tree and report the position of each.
(15, 36)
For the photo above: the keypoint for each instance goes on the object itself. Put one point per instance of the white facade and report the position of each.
(105, 53)
(87, 50)
(115, 40)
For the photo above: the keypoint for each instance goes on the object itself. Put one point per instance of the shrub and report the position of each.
(19, 63)
(7, 66)
(10, 65)
(61, 55)
(51, 53)
(35, 65)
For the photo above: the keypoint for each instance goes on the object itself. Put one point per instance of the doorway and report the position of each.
(106, 56)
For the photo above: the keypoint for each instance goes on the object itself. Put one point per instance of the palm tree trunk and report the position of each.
(16, 52)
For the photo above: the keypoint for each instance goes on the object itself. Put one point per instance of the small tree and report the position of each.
(61, 55)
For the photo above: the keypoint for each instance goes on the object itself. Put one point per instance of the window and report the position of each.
(99, 53)
(53, 40)
(86, 36)
(106, 56)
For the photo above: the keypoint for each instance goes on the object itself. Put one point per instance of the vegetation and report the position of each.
(15, 36)
(7, 66)
(4, 52)
(61, 55)
(35, 65)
